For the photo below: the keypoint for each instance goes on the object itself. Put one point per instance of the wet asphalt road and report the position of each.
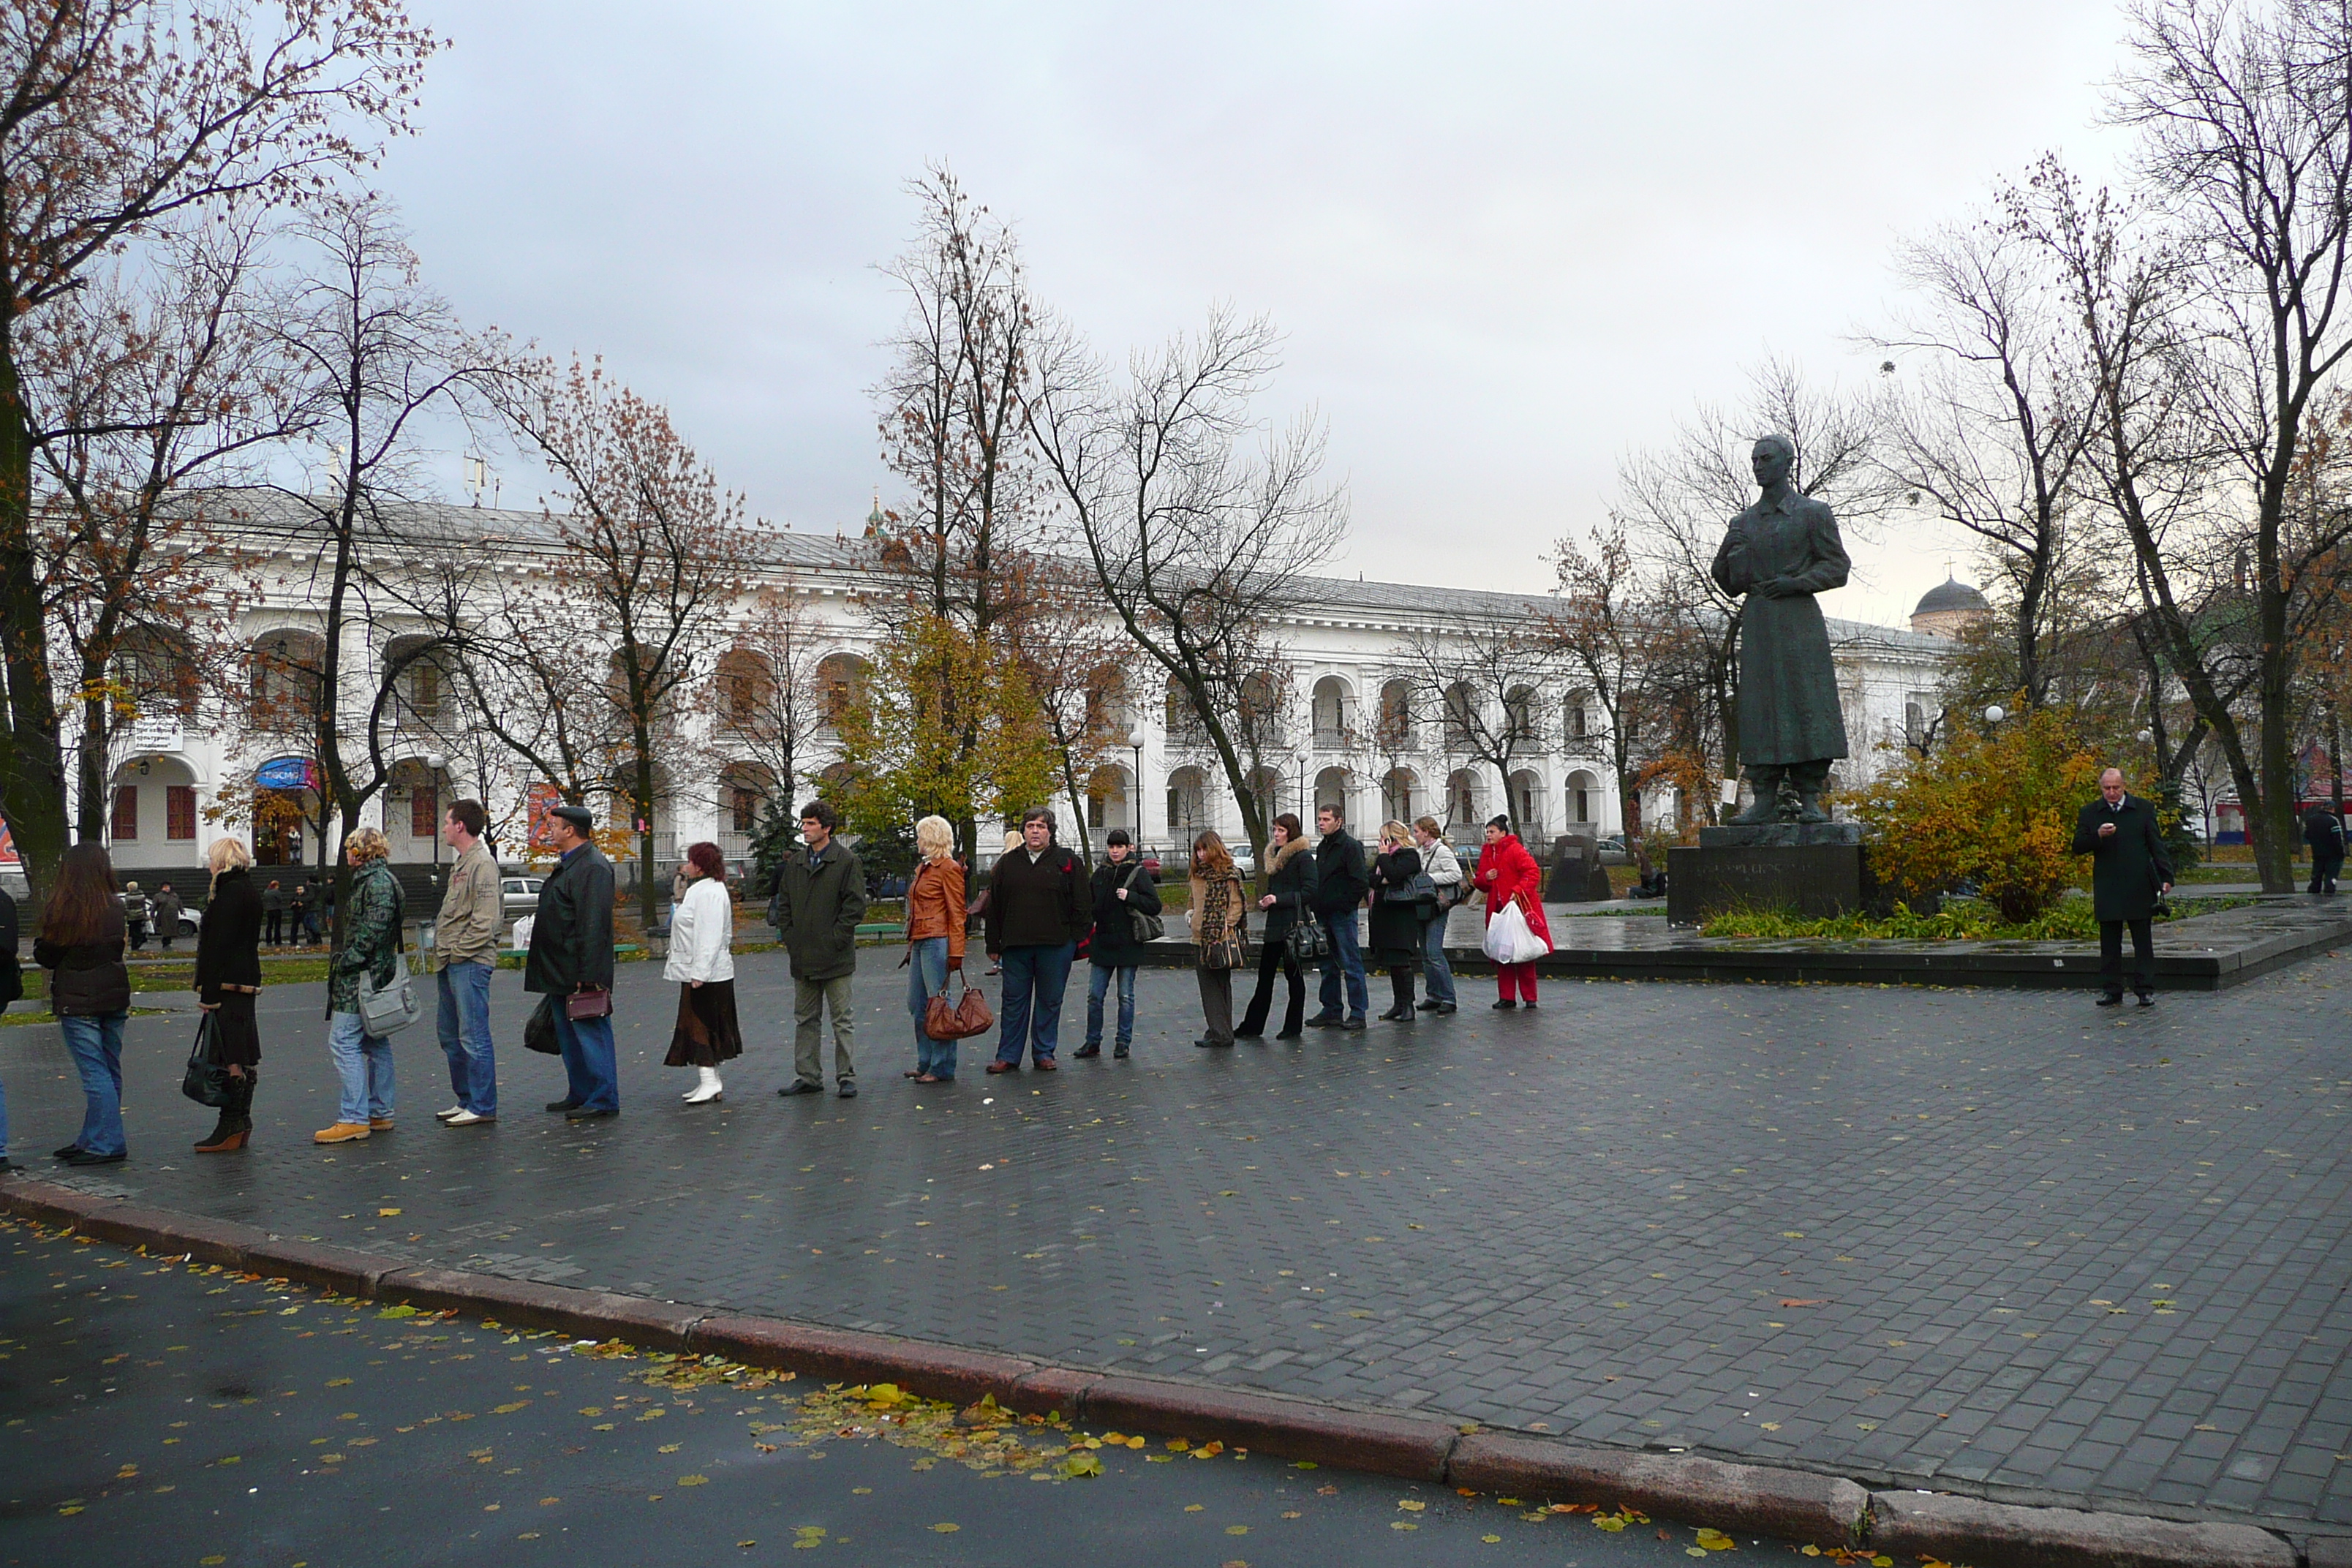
(153, 1412)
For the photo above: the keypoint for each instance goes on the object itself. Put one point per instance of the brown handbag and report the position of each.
(968, 1018)
(596, 1001)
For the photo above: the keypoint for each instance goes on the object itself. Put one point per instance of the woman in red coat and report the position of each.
(1505, 871)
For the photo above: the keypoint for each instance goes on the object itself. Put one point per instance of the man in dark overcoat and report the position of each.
(2129, 871)
(571, 953)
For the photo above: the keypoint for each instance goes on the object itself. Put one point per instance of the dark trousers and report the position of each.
(2325, 869)
(2111, 956)
(275, 927)
(1271, 956)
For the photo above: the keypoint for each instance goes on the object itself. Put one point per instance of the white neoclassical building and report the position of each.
(1355, 729)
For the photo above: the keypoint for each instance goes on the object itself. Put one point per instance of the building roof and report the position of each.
(1951, 594)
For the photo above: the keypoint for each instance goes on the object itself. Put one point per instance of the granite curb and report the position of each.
(1797, 1505)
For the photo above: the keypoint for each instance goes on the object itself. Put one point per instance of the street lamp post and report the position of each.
(434, 763)
(1135, 790)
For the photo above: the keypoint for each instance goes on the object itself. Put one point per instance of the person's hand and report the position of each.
(208, 1006)
(1122, 895)
(954, 966)
(2167, 887)
(694, 984)
(2106, 830)
(1266, 903)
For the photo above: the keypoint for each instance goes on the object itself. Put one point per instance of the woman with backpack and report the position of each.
(1125, 898)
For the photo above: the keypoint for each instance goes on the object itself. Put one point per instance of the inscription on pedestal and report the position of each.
(1814, 880)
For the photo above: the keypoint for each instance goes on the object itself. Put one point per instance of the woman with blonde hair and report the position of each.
(1219, 908)
(1397, 919)
(935, 938)
(228, 979)
(702, 962)
(371, 948)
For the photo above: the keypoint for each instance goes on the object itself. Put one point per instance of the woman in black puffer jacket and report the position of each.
(228, 979)
(81, 945)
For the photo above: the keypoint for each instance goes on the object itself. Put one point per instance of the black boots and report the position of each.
(236, 1128)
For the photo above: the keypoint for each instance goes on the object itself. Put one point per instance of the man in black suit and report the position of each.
(2128, 873)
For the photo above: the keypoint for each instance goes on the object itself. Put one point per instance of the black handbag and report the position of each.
(1307, 940)
(206, 1081)
(1143, 925)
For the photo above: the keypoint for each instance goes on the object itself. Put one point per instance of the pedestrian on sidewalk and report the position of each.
(1506, 874)
(370, 949)
(1288, 900)
(167, 910)
(298, 913)
(820, 897)
(466, 942)
(569, 961)
(273, 911)
(135, 912)
(228, 980)
(1398, 918)
(1037, 911)
(702, 962)
(80, 944)
(1121, 894)
(935, 940)
(1438, 860)
(2324, 831)
(1220, 917)
(11, 987)
(1341, 881)
(2129, 872)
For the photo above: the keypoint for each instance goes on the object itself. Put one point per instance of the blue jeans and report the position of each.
(1347, 959)
(927, 976)
(465, 1025)
(364, 1062)
(592, 1076)
(1435, 969)
(1096, 985)
(96, 1042)
(1035, 978)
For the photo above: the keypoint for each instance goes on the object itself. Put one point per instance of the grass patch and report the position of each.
(1961, 919)
(10, 1020)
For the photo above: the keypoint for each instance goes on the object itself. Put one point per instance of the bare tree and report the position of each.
(1990, 431)
(1618, 638)
(2246, 141)
(1486, 678)
(652, 548)
(119, 116)
(765, 690)
(1070, 652)
(1675, 501)
(1197, 542)
(148, 384)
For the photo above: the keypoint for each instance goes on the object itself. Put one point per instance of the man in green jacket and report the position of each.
(2129, 871)
(820, 897)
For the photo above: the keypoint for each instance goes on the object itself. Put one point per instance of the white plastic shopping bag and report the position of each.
(1510, 939)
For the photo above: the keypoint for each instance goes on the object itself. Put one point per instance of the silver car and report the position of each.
(519, 895)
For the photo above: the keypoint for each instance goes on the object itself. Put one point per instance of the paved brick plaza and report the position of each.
(1993, 1240)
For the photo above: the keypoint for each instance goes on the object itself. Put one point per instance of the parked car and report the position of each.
(519, 895)
(1613, 851)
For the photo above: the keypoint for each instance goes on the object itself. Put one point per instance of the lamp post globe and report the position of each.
(1995, 713)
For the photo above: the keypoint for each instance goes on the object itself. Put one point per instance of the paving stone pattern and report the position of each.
(1997, 1241)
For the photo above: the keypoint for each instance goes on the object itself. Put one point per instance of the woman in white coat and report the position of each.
(702, 960)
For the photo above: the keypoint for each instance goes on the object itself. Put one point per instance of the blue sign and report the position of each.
(285, 772)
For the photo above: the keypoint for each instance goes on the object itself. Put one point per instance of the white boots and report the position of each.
(706, 1090)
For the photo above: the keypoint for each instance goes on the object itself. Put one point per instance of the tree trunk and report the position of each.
(32, 770)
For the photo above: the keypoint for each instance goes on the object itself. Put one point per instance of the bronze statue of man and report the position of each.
(1779, 552)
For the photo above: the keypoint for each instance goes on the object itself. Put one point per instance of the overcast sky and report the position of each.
(1506, 244)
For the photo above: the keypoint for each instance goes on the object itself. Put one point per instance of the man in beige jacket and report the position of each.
(466, 937)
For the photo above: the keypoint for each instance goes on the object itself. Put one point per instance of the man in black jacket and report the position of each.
(1038, 907)
(1340, 883)
(572, 952)
(820, 897)
(2129, 871)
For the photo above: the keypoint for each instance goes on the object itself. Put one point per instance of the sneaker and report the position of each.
(451, 1114)
(1118, 1053)
(466, 1119)
(341, 1133)
(797, 1087)
(846, 1088)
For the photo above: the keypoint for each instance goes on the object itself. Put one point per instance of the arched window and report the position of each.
(1397, 728)
(1519, 718)
(1188, 802)
(1260, 712)
(1183, 721)
(745, 685)
(1266, 789)
(745, 791)
(1583, 795)
(1398, 800)
(1579, 715)
(1528, 802)
(285, 681)
(1461, 715)
(841, 679)
(1331, 704)
(1109, 805)
(1332, 789)
(157, 673)
(424, 694)
(1462, 796)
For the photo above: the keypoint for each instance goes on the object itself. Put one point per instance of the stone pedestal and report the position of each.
(1813, 870)
(1576, 875)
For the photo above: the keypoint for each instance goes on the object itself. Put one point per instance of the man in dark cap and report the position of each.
(571, 959)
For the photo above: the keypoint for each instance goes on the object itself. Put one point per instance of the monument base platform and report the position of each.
(1814, 880)
(1781, 835)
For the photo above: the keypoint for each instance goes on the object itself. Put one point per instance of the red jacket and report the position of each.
(1506, 870)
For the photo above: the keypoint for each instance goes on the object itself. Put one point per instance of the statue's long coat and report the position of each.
(1788, 687)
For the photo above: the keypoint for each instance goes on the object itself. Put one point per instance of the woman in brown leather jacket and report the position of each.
(935, 922)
